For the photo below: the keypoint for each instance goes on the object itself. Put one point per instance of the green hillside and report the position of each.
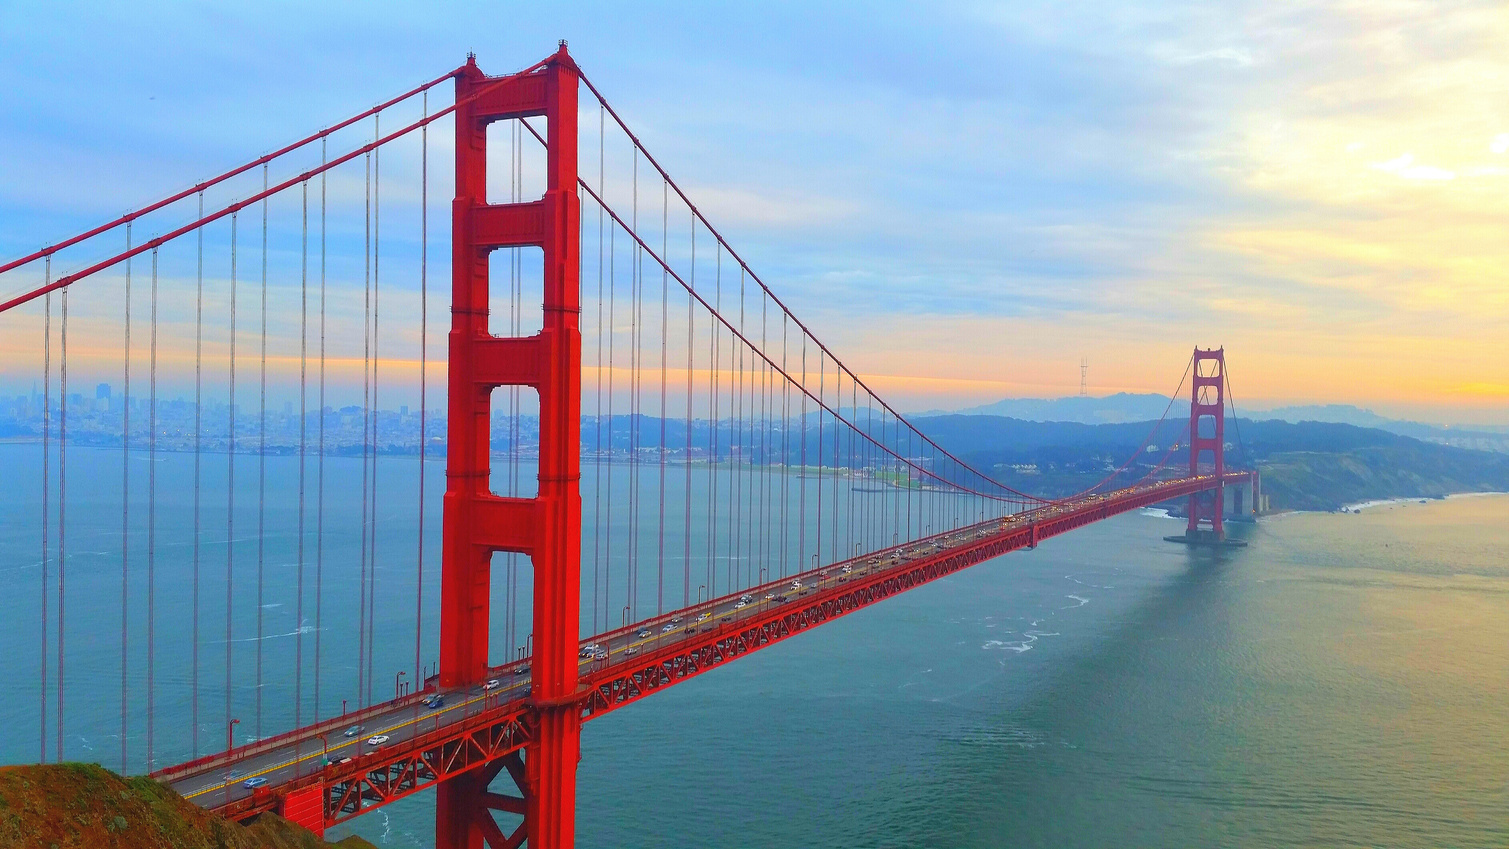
(85, 806)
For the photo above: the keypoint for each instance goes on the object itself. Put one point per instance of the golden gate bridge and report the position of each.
(652, 466)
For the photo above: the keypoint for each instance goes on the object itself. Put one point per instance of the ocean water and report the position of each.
(1343, 681)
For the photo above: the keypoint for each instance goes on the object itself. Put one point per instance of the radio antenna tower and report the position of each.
(1084, 377)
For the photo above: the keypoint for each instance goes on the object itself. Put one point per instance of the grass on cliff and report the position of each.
(85, 806)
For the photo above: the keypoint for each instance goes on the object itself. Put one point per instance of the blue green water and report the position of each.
(1343, 681)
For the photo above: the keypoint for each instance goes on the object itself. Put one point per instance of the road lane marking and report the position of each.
(354, 742)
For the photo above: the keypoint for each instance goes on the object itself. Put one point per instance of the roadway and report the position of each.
(223, 781)
(217, 781)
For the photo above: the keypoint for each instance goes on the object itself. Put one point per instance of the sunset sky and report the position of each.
(962, 199)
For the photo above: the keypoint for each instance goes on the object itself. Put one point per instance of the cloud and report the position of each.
(982, 193)
(1233, 56)
(1404, 167)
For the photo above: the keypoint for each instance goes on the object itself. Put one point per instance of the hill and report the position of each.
(85, 806)
(1305, 465)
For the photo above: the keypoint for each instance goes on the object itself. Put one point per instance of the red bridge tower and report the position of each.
(477, 523)
(1207, 441)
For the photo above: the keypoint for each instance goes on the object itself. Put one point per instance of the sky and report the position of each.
(961, 199)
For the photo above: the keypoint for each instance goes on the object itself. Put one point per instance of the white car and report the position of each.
(631, 650)
(848, 569)
(741, 605)
(491, 684)
(669, 627)
(770, 596)
(704, 616)
(377, 739)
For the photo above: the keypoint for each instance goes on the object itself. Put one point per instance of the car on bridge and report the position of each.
(669, 627)
(741, 604)
(491, 684)
(254, 782)
(644, 633)
(433, 702)
(377, 739)
(354, 730)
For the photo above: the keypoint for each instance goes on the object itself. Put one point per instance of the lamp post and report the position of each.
(397, 689)
(230, 735)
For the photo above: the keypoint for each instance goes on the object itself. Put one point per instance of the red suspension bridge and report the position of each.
(652, 466)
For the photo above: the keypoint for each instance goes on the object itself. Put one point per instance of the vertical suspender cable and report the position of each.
(46, 484)
(62, 501)
(636, 293)
(785, 447)
(376, 288)
(612, 350)
(152, 517)
(262, 459)
(319, 497)
(230, 489)
(298, 618)
(198, 430)
(686, 533)
(738, 475)
(664, 329)
(715, 359)
(597, 429)
(801, 508)
(424, 326)
(361, 619)
(125, 496)
(822, 374)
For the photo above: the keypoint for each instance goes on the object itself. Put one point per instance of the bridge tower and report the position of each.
(1207, 441)
(478, 523)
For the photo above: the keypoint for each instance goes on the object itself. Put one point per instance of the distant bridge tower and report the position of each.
(1207, 440)
(1084, 376)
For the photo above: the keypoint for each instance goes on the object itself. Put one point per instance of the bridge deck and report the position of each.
(477, 724)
